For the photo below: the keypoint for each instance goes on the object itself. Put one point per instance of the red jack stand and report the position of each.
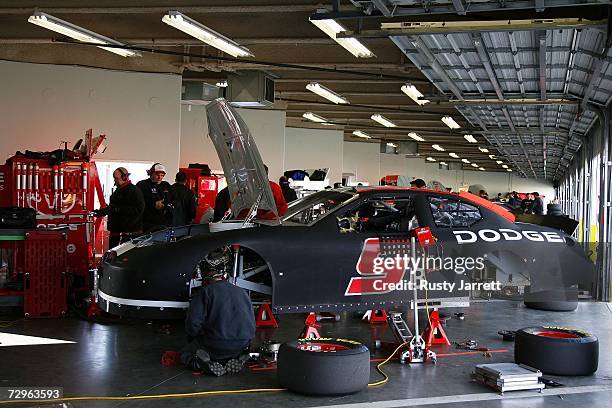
(375, 316)
(434, 333)
(265, 317)
(311, 328)
(93, 309)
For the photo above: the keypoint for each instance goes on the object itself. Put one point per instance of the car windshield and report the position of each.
(311, 208)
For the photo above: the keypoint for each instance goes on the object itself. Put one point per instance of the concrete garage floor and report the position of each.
(119, 360)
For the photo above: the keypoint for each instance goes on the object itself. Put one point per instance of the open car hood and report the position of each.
(244, 170)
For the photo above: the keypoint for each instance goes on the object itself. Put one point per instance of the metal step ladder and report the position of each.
(400, 327)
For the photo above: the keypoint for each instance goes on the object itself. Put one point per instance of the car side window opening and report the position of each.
(309, 209)
(448, 212)
(380, 216)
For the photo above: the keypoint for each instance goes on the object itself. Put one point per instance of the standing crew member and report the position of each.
(538, 204)
(124, 210)
(184, 201)
(220, 322)
(418, 183)
(279, 199)
(158, 199)
(288, 193)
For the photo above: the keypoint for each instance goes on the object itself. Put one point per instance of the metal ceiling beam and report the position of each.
(382, 7)
(533, 102)
(475, 7)
(458, 5)
(454, 27)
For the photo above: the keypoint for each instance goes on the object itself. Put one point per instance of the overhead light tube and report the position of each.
(205, 34)
(326, 93)
(78, 33)
(450, 122)
(382, 120)
(332, 28)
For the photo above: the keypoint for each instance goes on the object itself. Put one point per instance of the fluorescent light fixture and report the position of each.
(414, 94)
(416, 137)
(431, 159)
(469, 138)
(438, 147)
(491, 156)
(314, 117)
(222, 84)
(466, 161)
(191, 27)
(483, 149)
(509, 170)
(382, 120)
(481, 169)
(450, 122)
(73, 31)
(332, 28)
(361, 134)
(326, 93)
(499, 162)
(444, 163)
(391, 144)
(455, 155)
(505, 166)
(474, 165)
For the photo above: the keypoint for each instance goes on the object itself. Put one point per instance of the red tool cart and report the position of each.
(59, 186)
(205, 186)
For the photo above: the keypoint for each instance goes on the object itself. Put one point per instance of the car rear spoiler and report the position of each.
(565, 224)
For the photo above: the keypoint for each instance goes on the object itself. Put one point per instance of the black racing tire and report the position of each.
(324, 366)
(556, 350)
(552, 300)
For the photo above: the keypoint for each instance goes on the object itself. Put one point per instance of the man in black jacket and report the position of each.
(158, 199)
(220, 322)
(184, 201)
(125, 209)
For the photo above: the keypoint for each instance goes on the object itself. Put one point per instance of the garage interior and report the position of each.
(505, 96)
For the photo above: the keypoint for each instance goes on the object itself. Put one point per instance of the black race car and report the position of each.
(341, 249)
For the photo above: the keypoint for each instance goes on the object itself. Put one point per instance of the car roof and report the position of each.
(472, 198)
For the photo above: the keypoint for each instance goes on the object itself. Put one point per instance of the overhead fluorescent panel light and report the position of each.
(466, 161)
(491, 156)
(391, 144)
(438, 147)
(382, 120)
(416, 137)
(505, 166)
(450, 122)
(483, 149)
(191, 27)
(443, 163)
(499, 162)
(354, 46)
(414, 94)
(78, 33)
(475, 165)
(455, 155)
(481, 169)
(509, 170)
(431, 159)
(361, 134)
(314, 117)
(470, 138)
(326, 93)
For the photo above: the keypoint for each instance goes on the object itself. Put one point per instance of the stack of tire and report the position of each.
(557, 350)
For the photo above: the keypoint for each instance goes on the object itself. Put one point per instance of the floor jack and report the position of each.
(418, 350)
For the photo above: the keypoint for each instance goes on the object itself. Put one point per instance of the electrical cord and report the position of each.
(193, 394)
(378, 368)
(146, 397)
